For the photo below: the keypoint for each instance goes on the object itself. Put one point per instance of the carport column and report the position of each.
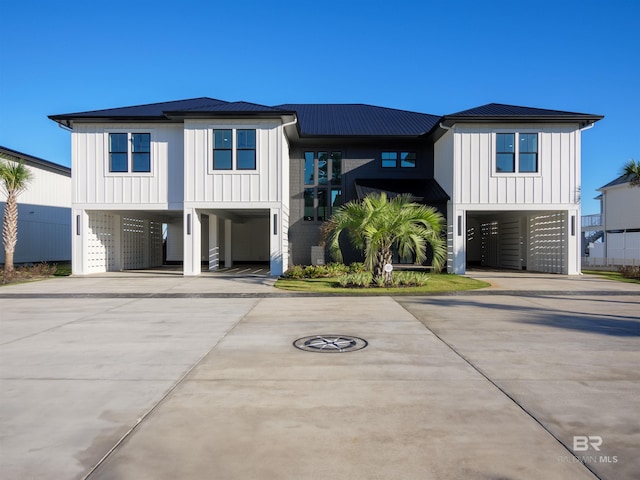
(456, 240)
(459, 242)
(275, 242)
(214, 243)
(227, 243)
(79, 248)
(572, 240)
(192, 242)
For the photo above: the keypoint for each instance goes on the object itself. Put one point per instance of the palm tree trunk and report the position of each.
(383, 257)
(10, 230)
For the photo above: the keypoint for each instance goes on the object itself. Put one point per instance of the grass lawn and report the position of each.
(437, 283)
(610, 275)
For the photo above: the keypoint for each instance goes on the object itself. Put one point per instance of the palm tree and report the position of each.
(14, 178)
(631, 170)
(377, 224)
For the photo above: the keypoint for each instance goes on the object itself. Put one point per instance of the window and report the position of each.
(129, 152)
(520, 146)
(222, 150)
(505, 152)
(528, 158)
(246, 149)
(323, 173)
(390, 159)
(228, 154)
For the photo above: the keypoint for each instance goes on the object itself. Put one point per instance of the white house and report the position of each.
(620, 225)
(239, 182)
(44, 211)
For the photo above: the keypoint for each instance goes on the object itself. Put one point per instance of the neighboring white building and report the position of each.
(620, 207)
(235, 181)
(44, 211)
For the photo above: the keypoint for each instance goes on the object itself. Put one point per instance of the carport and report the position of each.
(519, 240)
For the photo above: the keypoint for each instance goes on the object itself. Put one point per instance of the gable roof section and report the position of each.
(35, 161)
(359, 120)
(495, 112)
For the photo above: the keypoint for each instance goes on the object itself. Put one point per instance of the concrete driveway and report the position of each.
(141, 376)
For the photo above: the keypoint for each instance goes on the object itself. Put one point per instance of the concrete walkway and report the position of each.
(176, 385)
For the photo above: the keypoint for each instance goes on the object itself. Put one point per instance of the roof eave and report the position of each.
(582, 120)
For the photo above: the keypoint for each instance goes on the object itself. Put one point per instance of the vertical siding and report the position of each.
(476, 182)
(45, 188)
(202, 184)
(92, 184)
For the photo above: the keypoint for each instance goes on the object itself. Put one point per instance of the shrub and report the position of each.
(295, 271)
(630, 272)
(355, 280)
(321, 271)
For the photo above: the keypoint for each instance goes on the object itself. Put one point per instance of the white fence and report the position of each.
(599, 262)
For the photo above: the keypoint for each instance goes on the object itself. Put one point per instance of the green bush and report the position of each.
(630, 272)
(321, 271)
(398, 279)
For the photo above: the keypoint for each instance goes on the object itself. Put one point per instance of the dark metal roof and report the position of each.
(145, 111)
(496, 112)
(359, 120)
(35, 161)
(426, 191)
(330, 120)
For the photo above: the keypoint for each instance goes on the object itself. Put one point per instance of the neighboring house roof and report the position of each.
(35, 161)
(622, 179)
(329, 120)
(493, 112)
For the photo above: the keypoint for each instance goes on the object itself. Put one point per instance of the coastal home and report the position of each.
(44, 211)
(235, 182)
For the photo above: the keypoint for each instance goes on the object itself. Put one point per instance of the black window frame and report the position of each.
(228, 149)
(396, 159)
(518, 156)
(128, 149)
(322, 189)
(245, 148)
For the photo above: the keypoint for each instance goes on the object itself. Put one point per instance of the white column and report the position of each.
(573, 238)
(227, 243)
(192, 242)
(459, 242)
(214, 244)
(79, 251)
(275, 243)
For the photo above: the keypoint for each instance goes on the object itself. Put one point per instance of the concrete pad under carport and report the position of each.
(405, 407)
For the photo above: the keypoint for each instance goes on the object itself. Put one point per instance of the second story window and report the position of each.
(398, 159)
(516, 152)
(234, 149)
(129, 152)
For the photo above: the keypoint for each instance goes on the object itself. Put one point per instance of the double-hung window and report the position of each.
(398, 159)
(517, 152)
(323, 184)
(234, 149)
(129, 152)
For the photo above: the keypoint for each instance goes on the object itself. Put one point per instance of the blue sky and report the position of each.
(425, 56)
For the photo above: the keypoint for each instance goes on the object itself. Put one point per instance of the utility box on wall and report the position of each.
(317, 255)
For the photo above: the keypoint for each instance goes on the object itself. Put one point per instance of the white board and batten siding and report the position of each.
(472, 179)
(95, 187)
(234, 188)
(465, 168)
